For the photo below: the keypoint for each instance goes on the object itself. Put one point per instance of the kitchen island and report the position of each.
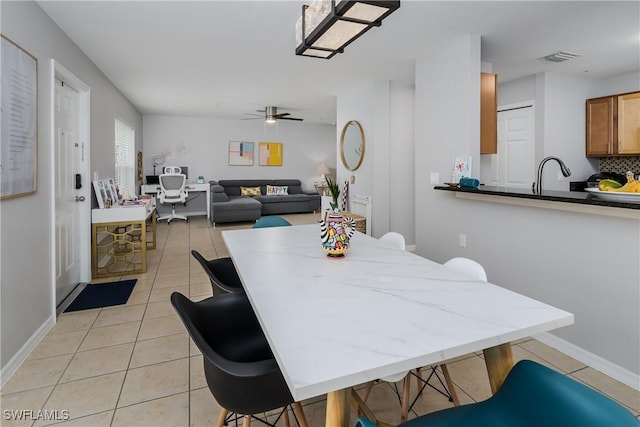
(580, 201)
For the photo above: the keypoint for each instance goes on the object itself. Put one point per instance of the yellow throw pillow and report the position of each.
(250, 191)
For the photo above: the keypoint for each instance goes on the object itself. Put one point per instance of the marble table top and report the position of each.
(335, 323)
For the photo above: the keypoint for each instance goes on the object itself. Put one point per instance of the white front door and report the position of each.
(516, 147)
(68, 153)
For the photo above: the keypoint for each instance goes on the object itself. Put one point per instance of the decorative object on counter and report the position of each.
(469, 183)
(345, 192)
(334, 191)
(335, 233)
(200, 180)
(461, 168)
(326, 27)
(352, 145)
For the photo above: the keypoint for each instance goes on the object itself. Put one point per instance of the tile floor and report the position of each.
(134, 364)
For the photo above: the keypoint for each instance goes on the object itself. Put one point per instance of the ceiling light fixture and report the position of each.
(326, 27)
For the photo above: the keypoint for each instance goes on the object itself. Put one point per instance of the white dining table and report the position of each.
(333, 323)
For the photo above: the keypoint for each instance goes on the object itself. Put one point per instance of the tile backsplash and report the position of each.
(620, 164)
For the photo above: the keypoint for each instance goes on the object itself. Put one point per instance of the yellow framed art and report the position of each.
(270, 154)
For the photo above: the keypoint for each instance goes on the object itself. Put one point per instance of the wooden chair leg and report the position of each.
(367, 391)
(297, 409)
(285, 415)
(222, 417)
(247, 421)
(406, 386)
(450, 385)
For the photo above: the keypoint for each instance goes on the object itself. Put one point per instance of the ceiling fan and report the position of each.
(271, 115)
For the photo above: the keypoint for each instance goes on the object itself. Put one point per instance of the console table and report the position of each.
(191, 188)
(120, 237)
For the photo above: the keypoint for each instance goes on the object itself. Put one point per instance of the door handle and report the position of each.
(79, 198)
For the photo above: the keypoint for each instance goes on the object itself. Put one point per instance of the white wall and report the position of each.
(622, 83)
(202, 144)
(549, 255)
(385, 111)
(27, 303)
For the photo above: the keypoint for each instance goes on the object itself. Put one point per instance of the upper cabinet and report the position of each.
(488, 113)
(613, 125)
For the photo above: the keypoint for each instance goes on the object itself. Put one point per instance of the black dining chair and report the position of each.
(239, 366)
(222, 273)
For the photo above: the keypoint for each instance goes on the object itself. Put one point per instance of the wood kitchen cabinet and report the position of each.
(488, 113)
(613, 125)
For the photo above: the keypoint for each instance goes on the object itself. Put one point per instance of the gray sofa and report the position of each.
(227, 205)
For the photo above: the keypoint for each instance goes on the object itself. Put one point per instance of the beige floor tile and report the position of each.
(96, 362)
(173, 278)
(201, 289)
(203, 408)
(58, 344)
(553, 356)
(166, 411)
(607, 385)
(31, 400)
(159, 309)
(196, 373)
(74, 321)
(520, 353)
(193, 349)
(154, 381)
(110, 335)
(103, 419)
(164, 294)
(87, 396)
(157, 350)
(119, 314)
(37, 373)
(161, 326)
(139, 296)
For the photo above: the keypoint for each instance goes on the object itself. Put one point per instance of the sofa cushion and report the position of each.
(238, 203)
(283, 199)
(277, 190)
(232, 186)
(294, 185)
(250, 191)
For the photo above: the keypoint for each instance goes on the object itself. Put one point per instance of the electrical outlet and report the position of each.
(463, 240)
(560, 176)
(435, 178)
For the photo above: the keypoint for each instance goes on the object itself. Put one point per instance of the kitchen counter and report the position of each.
(564, 200)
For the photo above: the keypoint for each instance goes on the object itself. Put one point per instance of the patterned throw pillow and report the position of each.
(277, 190)
(250, 191)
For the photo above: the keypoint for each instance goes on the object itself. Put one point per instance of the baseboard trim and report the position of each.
(12, 366)
(592, 360)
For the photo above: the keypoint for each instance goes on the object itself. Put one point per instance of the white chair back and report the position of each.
(172, 170)
(394, 239)
(469, 266)
(172, 188)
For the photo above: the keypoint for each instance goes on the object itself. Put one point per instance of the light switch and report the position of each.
(435, 178)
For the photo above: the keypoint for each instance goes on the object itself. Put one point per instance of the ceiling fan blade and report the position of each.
(280, 115)
(290, 118)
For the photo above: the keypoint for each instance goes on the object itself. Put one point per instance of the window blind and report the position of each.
(125, 141)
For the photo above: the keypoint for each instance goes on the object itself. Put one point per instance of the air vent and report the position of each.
(561, 56)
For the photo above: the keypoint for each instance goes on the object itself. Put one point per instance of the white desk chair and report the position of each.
(172, 190)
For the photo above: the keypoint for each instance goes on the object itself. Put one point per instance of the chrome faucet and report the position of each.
(537, 186)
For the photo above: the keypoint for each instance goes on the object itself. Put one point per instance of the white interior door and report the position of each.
(516, 147)
(68, 154)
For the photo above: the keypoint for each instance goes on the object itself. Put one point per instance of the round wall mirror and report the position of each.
(352, 145)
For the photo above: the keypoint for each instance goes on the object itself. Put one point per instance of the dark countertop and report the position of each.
(579, 197)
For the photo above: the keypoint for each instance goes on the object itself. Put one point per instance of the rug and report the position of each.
(102, 295)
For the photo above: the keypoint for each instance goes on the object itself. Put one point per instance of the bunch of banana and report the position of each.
(632, 186)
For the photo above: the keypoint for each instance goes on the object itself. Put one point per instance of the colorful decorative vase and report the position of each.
(335, 233)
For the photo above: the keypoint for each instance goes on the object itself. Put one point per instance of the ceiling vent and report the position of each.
(561, 56)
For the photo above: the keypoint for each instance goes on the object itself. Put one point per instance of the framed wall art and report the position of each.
(240, 153)
(19, 146)
(139, 175)
(270, 154)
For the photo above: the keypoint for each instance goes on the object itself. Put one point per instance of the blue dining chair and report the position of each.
(271, 221)
(532, 395)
